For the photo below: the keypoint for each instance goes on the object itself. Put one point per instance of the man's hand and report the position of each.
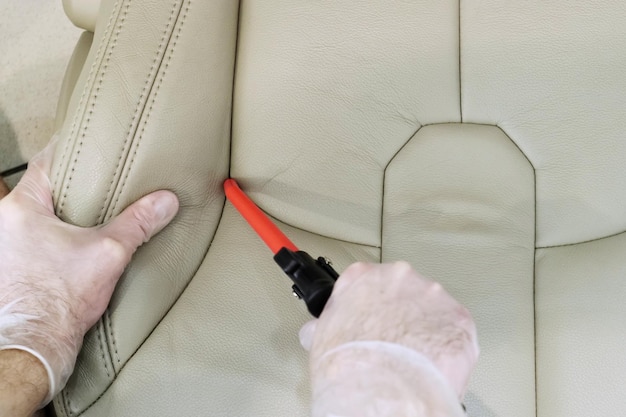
(380, 315)
(57, 279)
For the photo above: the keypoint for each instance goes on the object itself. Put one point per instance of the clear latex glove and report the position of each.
(387, 326)
(57, 279)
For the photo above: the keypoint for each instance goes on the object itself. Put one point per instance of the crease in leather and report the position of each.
(103, 46)
(131, 139)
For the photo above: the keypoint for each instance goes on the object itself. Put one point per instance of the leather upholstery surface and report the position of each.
(72, 72)
(83, 13)
(482, 141)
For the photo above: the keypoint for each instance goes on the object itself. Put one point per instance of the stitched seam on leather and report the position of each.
(111, 329)
(106, 320)
(171, 53)
(68, 402)
(106, 324)
(582, 242)
(168, 310)
(460, 71)
(109, 323)
(99, 329)
(128, 141)
(107, 40)
(60, 403)
(154, 96)
(535, 287)
(232, 94)
(70, 413)
(382, 206)
(93, 105)
(88, 86)
(510, 138)
(66, 396)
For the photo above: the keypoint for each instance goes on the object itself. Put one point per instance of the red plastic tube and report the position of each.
(262, 225)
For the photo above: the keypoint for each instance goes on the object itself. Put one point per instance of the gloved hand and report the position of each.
(57, 279)
(388, 332)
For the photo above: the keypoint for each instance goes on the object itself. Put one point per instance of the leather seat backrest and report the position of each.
(483, 141)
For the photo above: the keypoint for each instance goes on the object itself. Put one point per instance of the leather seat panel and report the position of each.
(551, 75)
(352, 125)
(325, 96)
(72, 72)
(581, 329)
(459, 205)
(127, 152)
(111, 103)
(229, 347)
(83, 13)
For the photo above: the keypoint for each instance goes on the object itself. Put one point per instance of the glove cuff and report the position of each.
(376, 378)
(23, 329)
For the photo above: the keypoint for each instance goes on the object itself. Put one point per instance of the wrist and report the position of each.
(39, 330)
(23, 383)
(373, 378)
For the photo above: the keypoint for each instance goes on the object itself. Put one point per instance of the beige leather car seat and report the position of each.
(483, 141)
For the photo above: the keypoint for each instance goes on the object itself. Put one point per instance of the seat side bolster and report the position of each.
(82, 13)
(151, 110)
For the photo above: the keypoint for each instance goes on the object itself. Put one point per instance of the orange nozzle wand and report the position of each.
(262, 225)
(313, 279)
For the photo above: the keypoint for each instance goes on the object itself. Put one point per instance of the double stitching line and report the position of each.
(88, 88)
(131, 140)
(139, 107)
(85, 109)
(162, 70)
(169, 58)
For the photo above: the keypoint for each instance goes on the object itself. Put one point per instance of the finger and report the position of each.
(351, 274)
(141, 220)
(307, 332)
(35, 184)
(4, 189)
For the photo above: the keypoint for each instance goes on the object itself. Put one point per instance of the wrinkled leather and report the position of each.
(482, 141)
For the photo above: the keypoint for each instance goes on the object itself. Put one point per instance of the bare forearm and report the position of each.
(4, 189)
(23, 383)
(358, 381)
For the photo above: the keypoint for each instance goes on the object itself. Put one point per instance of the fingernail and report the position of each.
(306, 334)
(165, 207)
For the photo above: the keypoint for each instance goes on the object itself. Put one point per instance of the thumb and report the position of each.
(141, 220)
(307, 332)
